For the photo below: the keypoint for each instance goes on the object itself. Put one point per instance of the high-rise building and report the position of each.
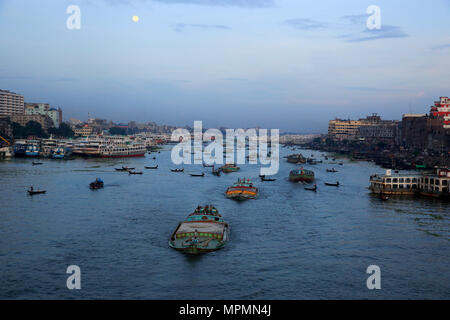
(370, 127)
(11, 103)
(441, 109)
(44, 109)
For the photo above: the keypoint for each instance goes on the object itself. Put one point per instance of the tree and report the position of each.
(32, 128)
(64, 131)
(117, 131)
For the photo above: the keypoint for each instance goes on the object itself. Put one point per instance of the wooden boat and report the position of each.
(312, 189)
(216, 172)
(332, 170)
(154, 167)
(177, 170)
(208, 165)
(33, 192)
(197, 175)
(268, 179)
(332, 184)
(97, 184)
(135, 172)
(37, 163)
(301, 175)
(124, 169)
(203, 231)
(384, 197)
(241, 190)
(228, 168)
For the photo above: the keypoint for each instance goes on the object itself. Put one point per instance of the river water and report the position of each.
(288, 244)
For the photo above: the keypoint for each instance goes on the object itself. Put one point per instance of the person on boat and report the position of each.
(31, 188)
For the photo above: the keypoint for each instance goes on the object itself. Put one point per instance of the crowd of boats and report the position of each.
(95, 146)
(205, 230)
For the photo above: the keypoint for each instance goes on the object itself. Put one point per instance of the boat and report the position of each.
(268, 179)
(58, 153)
(332, 170)
(19, 149)
(208, 165)
(135, 172)
(32, 151)
(384, 197)
(301, 175)
(32, 192)
(296, 158)
(243, 189)
(124, 169)
(197, 175)
(332, 184)
(312, 189)
(155, 167)
(228, 168)
(36, 163)
(177, 170)
(203, 231)
(97, 184)
(216, 172)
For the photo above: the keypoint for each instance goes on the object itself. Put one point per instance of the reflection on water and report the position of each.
(289, 244)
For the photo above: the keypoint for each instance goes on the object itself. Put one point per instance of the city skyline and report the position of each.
(290, 65)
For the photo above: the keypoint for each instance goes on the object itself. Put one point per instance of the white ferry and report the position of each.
(122, 149)
(394, 184)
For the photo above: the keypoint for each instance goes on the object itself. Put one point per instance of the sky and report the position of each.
(286, 64)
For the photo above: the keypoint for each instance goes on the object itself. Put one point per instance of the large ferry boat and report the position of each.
(301, 175)
(203, 231)
(123, 149)
(241, 190)
(394, 183)
(426, 184)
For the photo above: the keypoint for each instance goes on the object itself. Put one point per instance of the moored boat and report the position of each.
(301, 175)
(241, 190)
(203, 231)
(296, 158)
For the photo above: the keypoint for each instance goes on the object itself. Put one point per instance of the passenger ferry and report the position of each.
(435, 185)
(395, 184)
(58, 153)
(203, 231)
(123, 149)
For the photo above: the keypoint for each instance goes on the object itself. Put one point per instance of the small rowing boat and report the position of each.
(97, 184)
(332, 184)
(37, 163)
(154, 167)
(135, 172)
(197, 175)
(312, 189)
(124, 169)
(32, 192)
(177, 170)
(332, 170)
(268, 179)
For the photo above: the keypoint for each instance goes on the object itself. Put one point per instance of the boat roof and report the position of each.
(210, 227)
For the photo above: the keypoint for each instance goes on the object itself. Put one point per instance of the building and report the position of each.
(83, 131)
(422, 132)
(11, 103)
(441, 109)
(45, 109)
(5, 127)
(370, 127)
(45, 121)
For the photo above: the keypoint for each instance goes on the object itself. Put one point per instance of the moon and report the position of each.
(135, 18)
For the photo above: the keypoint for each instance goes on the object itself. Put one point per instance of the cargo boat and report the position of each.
(228, 168)
(203, 231)
(243, 189)
(301, 175)
(296, 158)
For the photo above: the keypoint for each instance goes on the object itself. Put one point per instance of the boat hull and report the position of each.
(123, 155)
(179, 244)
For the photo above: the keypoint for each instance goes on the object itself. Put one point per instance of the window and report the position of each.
(395, 186)
(395, 180)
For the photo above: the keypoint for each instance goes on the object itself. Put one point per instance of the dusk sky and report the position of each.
(284, 64)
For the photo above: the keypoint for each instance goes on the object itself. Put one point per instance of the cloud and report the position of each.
(356, 18)
(386, 32)
(179, 27)
(442, 46)
(305, 24)
(225, 3)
